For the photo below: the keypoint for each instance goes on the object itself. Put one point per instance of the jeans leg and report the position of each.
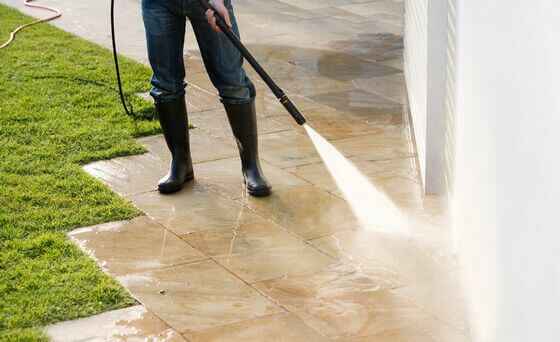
(223, 62)
(165, 35)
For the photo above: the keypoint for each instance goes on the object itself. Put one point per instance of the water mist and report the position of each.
(371, 206)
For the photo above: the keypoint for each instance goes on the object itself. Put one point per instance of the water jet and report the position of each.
(371, 206)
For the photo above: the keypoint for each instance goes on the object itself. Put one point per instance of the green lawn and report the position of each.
(58, 109)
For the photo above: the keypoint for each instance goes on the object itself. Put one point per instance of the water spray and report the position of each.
(371, 206)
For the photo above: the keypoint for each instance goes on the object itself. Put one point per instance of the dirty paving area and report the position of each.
(211, 263)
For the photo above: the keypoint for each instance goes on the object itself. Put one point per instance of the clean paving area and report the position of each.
(211, 263)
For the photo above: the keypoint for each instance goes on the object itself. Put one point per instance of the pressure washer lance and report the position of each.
(279, 93)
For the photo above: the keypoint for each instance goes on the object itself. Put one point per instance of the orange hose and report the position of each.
(29, 4)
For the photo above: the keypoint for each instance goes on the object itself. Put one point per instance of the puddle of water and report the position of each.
(372, 207)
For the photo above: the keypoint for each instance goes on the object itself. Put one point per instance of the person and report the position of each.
(164, 21)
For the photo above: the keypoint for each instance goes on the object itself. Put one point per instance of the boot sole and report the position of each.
(170, 190)
(259, 192)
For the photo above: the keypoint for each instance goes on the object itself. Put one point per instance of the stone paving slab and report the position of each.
(198, 296)
(195, 209)
(318, 175)
(307, 212)
(376, 147)
(215, 123)
(412, 260)
(131, 324)
(370, 310)
(406, 167)
(340, 126)
(204, 147)
(451, 311)
(259, 250)
(278, 327)
(133, 246)
(224, 176)
(390, 86)
(394, 8)
(129, 175)
(362, 104)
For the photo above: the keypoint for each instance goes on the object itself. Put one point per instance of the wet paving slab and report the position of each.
(339, 125)
(287, 149)
(224, 176)
(194, 209)
(362, 104)
(211, 263)
(390, 86)
(215, 123)
(259, 250)
(298, 80)
(318, 174)
(278, 327)
(198, 296)
(127, 247)
(307, 212)
(204, 147)
(408, 260)
(383, 146)
(347, 303)
(395, 8)
(334, 65)
(382, 47)
(131, 324)
(451, 311)
(129, 175)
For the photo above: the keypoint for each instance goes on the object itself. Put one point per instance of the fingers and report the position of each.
(211, 18)
(225, 14)
(212, 21)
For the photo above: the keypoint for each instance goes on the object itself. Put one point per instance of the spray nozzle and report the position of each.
(292, 109)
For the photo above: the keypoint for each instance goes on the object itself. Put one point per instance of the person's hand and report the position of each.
(218, 5)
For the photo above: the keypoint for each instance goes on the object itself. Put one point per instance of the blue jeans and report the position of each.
(164, 21)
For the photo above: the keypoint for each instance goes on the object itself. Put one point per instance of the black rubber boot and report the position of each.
(174, 124)
(243, 121)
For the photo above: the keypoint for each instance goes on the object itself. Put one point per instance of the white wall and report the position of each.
(434, 180)
(416, 71)
(507, 173)
(449, 115)
(425, 62)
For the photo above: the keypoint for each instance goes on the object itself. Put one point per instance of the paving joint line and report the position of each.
(227, 270)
